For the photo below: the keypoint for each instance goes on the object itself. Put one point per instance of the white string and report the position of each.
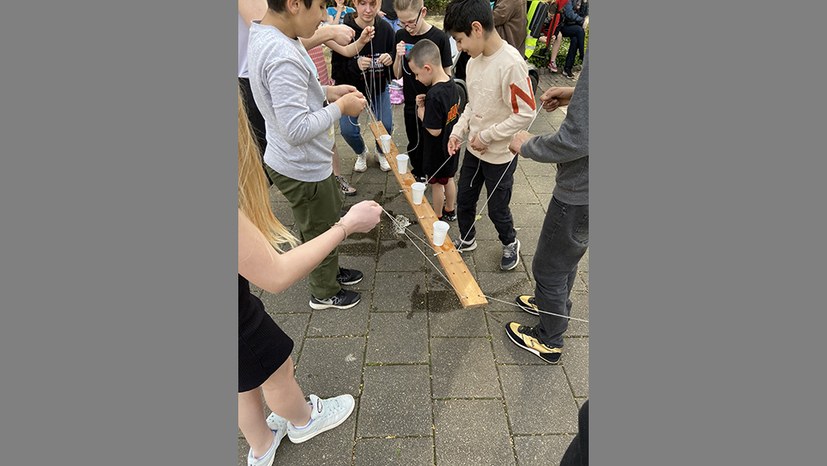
(405, 230)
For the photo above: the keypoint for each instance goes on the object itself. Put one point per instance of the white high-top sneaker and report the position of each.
(361, 162)
(383, 162)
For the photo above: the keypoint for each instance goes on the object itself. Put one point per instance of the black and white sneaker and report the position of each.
(449, 216)
(463, 246)
(511, 255)
(348, 277)
(344, 299)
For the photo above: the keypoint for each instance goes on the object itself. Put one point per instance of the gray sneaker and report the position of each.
(325, 415)
(511, 255)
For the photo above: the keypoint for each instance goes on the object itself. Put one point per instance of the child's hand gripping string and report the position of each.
(350, 101)
(366, 36)
(340, 33)
(453, 145)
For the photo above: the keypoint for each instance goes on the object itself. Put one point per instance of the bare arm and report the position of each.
(263, 266)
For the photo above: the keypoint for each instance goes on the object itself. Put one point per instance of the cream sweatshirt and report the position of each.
(500, 102)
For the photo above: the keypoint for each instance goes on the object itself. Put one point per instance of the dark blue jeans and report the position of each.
(472, 176)
(577, 35)
(563, 242)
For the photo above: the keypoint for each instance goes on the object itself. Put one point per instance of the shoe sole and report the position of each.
(321, 307)
(349, 194)
(518, 259)
(360, 171)
(467, 248)
(350, 283)
(331, 426)
(521, 345)
(526, 309)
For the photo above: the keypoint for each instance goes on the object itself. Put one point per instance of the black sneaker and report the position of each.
(349, 277)
(526, 303)
(449, 216)
(511, 255)
(344, 299)
(524, 337)
(568, 74)
(463, 246)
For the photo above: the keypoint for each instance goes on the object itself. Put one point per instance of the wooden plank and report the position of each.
(454, 268)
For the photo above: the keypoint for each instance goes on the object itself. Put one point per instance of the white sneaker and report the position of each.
(270, 455)
(325, 415)
(361, 162)
(383, 163)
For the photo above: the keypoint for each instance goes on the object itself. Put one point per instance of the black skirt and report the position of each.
(262, 346)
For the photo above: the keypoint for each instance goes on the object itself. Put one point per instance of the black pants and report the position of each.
(256, 119)
(577, 454)
(577, 35)
(563, 242)
(473, 174)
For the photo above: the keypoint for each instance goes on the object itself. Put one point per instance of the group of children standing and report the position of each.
(299, 114)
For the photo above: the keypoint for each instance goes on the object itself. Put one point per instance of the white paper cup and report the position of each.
(417, 192)
(402, 163)
(385, 141)
(440, 230)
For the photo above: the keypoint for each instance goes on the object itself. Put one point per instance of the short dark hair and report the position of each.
(281, 5)
(425, 52)
(459, 14)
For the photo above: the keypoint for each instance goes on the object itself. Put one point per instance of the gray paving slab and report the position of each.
(340, 322)
(579, 309)
(545, 199)
(505, 285)
(576, 365)
(292, 300)
(463, 368)
(295, 326)
(541, 449)
(538, 399)
(528, 240)
(395, 451)
(397, 337)
(402, 256)
(399, 292)
(396, 401)
(331, 366)
(458, 323)
(471, 432)
(542, 184)
(582, 283)
(523, 194)
(528, 215)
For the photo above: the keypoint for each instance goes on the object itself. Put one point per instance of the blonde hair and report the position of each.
(408, 5)
(253, 197)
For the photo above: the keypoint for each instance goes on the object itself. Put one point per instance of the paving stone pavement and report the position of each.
(435, 384)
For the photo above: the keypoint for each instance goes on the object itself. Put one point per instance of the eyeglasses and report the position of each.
(406, 23)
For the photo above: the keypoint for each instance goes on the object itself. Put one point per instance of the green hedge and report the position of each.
(541, 56)
(436, 7)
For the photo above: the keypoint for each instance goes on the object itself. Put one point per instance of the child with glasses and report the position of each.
(412, 17)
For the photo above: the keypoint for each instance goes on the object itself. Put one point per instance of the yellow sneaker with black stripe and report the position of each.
(524, 337)
(528, 304)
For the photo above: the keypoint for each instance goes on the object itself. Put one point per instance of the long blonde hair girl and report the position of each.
(253, 197)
